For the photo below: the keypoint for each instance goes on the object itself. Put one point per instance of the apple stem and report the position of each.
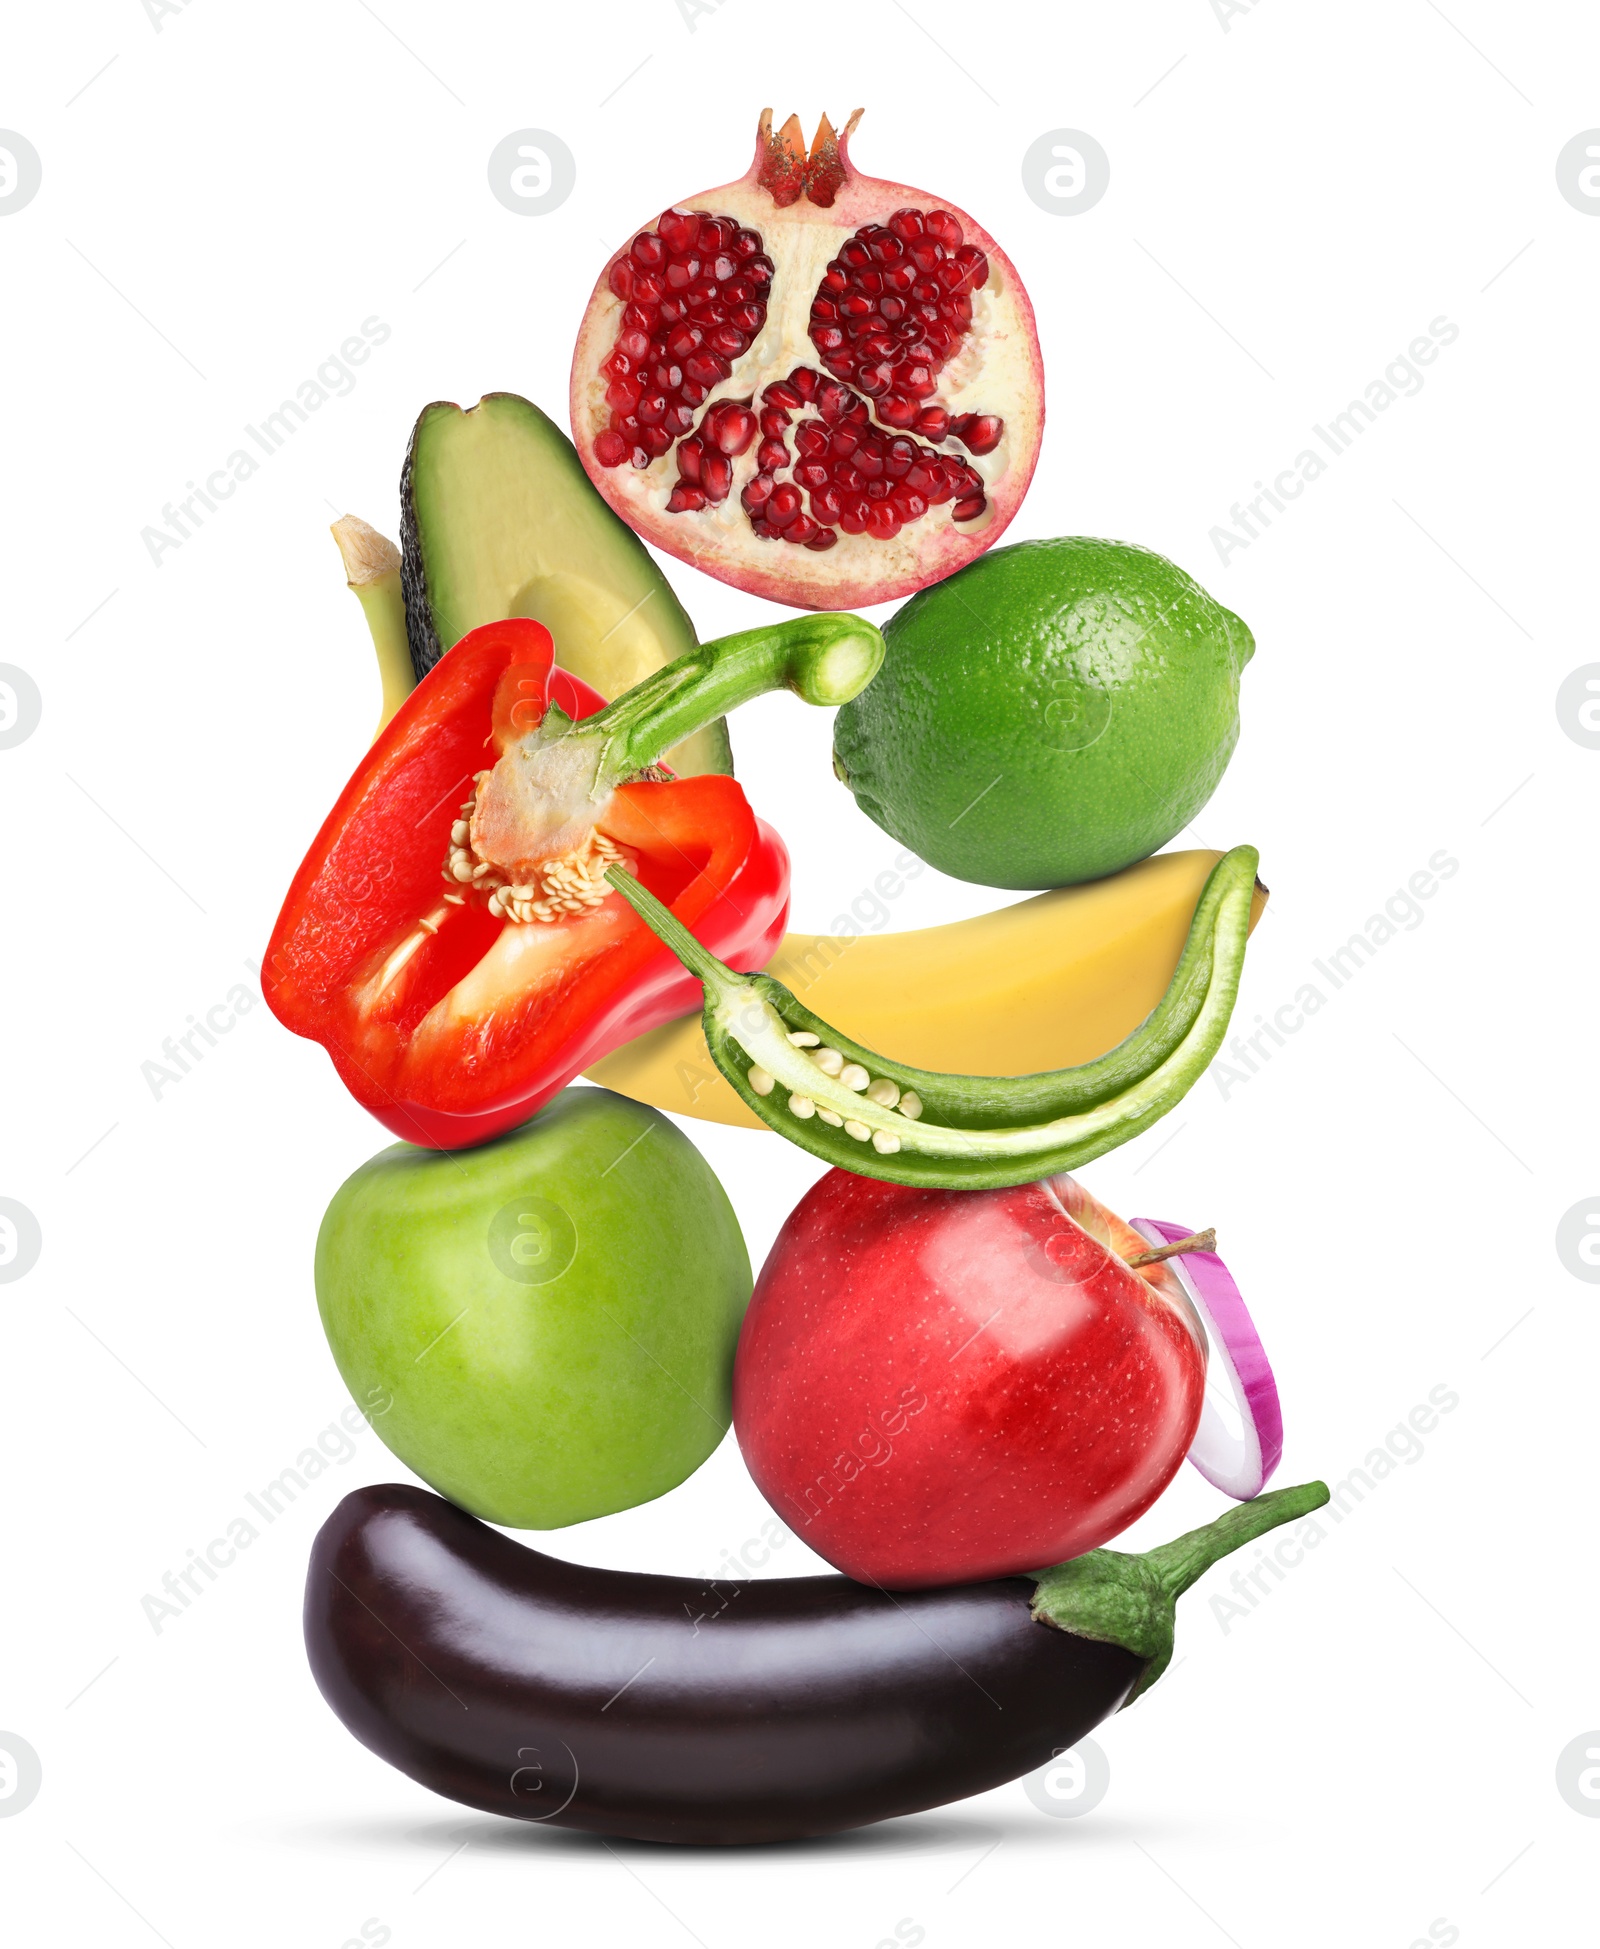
(1205, 1241)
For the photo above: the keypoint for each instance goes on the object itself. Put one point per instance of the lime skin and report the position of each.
(542, 1328)
(1050, 713)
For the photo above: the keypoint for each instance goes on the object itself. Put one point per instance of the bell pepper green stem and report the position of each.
(1115, 1598)
(865, 1113)
(824, 659)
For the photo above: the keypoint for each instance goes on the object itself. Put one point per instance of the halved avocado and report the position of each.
(497, 519)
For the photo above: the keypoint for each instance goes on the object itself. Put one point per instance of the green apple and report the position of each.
(552, 1316)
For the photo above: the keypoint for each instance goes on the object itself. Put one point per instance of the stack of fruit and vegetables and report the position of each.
(826, 390)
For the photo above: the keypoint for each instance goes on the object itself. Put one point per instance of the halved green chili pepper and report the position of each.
(869, 1114)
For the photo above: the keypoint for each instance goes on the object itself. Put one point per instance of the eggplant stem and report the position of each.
(1131, 1601)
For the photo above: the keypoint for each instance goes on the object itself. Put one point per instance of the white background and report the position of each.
(1295, 194)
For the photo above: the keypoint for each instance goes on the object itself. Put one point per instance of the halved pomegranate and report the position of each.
(817, 386)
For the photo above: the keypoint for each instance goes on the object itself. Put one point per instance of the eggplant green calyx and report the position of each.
(1132, 1600)
(879, 1118)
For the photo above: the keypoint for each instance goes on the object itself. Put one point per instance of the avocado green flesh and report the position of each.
(499, 519)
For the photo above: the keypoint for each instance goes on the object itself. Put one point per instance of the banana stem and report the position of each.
(372, 573)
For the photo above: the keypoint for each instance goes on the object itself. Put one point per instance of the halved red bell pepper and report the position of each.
(452, 1019)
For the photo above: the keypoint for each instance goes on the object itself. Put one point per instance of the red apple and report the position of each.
(937, 1387)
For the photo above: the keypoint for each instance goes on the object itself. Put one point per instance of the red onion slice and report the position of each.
(1239, 1464)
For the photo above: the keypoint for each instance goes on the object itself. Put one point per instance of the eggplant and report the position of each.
(670, 1709)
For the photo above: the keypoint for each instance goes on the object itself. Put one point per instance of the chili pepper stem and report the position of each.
(825, 659)
(668, 928)
(1115, 1598)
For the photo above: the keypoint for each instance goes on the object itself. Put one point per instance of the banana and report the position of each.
(1048, 983)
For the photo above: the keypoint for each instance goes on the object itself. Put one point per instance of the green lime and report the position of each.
(1051, 712)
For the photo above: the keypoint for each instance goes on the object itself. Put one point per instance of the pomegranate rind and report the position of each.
(996, 370)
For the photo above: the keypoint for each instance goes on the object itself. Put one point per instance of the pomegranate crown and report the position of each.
(785, 169)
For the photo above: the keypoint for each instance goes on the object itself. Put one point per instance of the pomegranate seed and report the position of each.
(655, 440)
(834, 279)
(757, 492)
(827, 503)
(887, 248)
(899, 458)
(682, 272)
(933, 423)
(639, 318)
(728, 342)
(855, 305)
(883, 524)
(827, 338)
(622, 395)
(745, 243)
(634, 344)
(810, 440)
(781, 394)
(940, 224)
(705, 369)
(748, 318)
(926, 254)
(640, 456)
(823, 538)
(855, 254)
(668, 377)
(647, 250)
(906, 224)
(844, 440)
(812, 474)
(874, 380)
(774, 421)
(610, 449)
(693, 395)
(783, 505)
(689, 457)
(683, 340)
(716, 475)
(801, 529)
(678, 419)
(974, 265)
(877, 490)
(804, 381)
(685, 500)
(891, 310)
(771, 454)
(760, 271)
(919, 480)
(927, 292)
(909, 506)
(735, 429)
(620, 277)
(871, 282)
(978, 432)
(831, 402)
(651, 408)
(916, 380)
(968, 509)
(649, 287)
(824, 310)
(717, 233)
(848, 477)
(897, 410)
(678, 230)
(900, 277)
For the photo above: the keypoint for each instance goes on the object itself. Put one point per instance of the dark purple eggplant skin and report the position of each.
(670, 1709)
